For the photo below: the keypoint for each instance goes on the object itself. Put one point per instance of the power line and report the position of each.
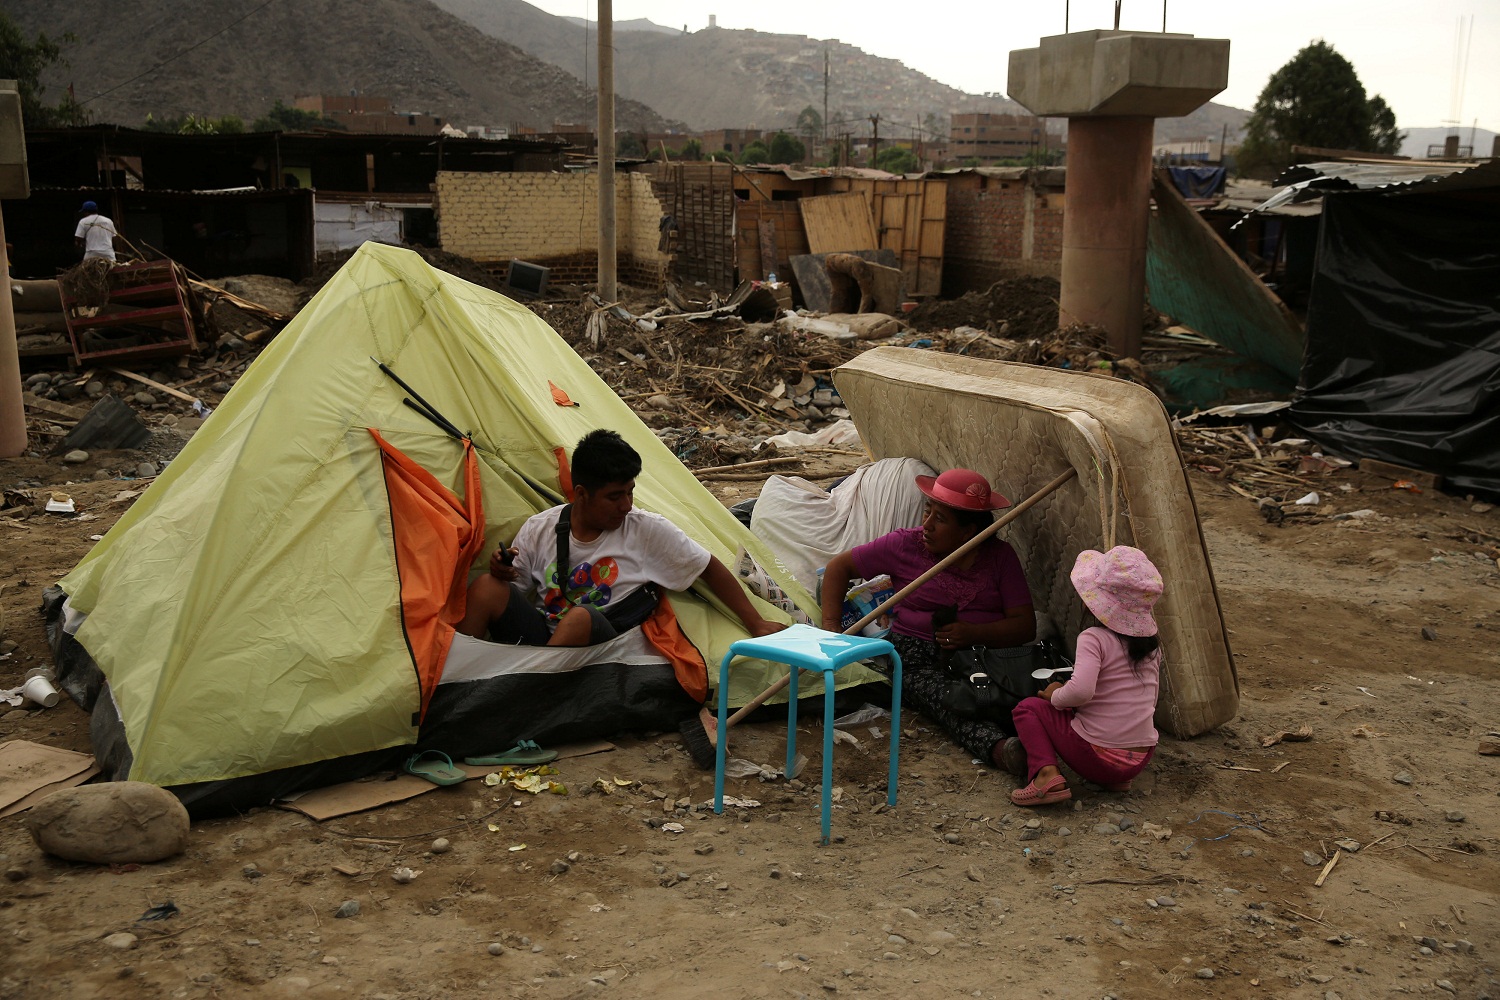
(179, 55)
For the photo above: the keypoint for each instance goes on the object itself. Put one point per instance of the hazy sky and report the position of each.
(1403, 50)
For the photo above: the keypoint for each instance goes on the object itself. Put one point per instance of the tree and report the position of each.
(691, 150)
(629, 146)
(191, 124)
(897, 160)
(785, 149)
(1316, 99)
(756, 152)
(25, 62)
(284, 119)
(809, 124)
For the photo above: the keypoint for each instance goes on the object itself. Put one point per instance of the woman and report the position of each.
(981, 600)
(1099, 722)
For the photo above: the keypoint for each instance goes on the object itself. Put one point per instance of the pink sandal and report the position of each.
(1056, 790)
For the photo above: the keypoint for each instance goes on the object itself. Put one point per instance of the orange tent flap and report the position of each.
(437, 537)
(663, 632)
(559, 396)
(564, 473)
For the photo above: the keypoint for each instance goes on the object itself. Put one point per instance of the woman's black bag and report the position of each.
(989, 683)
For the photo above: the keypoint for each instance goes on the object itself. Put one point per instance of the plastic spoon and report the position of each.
(1045, 673)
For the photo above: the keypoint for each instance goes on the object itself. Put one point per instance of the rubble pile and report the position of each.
(1020, 308)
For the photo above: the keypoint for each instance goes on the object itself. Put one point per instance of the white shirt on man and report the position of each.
(647, 548)
(98, 235)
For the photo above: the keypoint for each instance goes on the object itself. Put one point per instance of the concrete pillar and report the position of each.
(14, 183)
(12, 409)
(1111, 86)
(1104, 227)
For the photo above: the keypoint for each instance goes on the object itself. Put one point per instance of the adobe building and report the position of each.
(370, 115)
(989, 138)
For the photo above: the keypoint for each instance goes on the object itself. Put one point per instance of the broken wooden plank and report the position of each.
(155, 385)
(1328, 868)
(52, 407)
(1390, 470)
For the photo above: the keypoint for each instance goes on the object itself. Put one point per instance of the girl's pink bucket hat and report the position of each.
(1120, 587)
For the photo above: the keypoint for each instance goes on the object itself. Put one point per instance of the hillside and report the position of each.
(422, 58)
(722, 78)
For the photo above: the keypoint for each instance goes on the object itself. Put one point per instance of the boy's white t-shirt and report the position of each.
(647, 548)
(98, 235)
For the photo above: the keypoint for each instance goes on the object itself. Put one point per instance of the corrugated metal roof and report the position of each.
(1307, 181)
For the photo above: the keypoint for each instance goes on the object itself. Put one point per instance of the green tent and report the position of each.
(247, 611)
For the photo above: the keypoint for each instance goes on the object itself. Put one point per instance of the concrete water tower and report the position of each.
(1112, 86)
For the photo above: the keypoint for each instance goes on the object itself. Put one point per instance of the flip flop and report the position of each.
(1056, 790)
(526, 752)
(438, 769)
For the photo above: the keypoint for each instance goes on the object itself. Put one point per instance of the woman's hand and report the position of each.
(1047, 691)
(956, 635)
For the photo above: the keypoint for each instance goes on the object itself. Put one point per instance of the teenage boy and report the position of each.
(596, 567)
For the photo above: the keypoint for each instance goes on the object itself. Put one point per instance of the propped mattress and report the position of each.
(1022, 426)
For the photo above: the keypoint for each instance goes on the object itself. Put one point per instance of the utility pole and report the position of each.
(608, 289)
(875, 141)
(825, 101)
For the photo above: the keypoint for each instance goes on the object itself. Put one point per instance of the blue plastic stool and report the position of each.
(802, 647)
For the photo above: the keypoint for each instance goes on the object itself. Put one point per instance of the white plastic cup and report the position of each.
(39, 691)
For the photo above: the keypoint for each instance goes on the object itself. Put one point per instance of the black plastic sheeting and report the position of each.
(1403, 334)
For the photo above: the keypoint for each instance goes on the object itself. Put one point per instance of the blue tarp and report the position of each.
(1198, 182)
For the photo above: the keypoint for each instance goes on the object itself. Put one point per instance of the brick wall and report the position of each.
(551, 219)
(998, 228)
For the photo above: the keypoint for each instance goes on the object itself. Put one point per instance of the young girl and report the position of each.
(1099, 722)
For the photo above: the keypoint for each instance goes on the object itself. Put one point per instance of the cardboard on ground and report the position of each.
(371, 793)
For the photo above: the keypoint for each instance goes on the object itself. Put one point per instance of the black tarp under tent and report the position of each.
(1403, 328)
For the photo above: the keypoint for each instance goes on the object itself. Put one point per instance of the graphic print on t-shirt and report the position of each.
(588, 583)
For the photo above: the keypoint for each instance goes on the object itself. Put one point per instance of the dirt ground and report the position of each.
(938, 896)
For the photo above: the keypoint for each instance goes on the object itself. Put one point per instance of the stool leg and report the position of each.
(723, 733)
(791, 722)
(890, 782)
(827, 753)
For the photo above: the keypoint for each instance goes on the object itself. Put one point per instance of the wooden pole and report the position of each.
(890, 602)
(608, 289)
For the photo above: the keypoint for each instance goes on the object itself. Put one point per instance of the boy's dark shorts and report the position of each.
(522, 624)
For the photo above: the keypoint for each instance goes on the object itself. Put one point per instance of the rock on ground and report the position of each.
(119, 822)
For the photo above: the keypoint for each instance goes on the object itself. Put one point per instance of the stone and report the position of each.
(76, 457)
(1402, 778)
(441, 846)
(559, 868)
(1312, 860)
(122, 941)
(495, 948)
(1033, 824)
(94, 389)
(1165, 901)
(1204, 973)
(348, 908)
(1125, 823)
(102, 474)
(16, 874)
(220, 387)
(1445, 986)
(1063, 831)
(1453, 816)
(1031, 833)
(145, 470)
(1106, 829)
(117, 822)
(143, 398)
(895, 939)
